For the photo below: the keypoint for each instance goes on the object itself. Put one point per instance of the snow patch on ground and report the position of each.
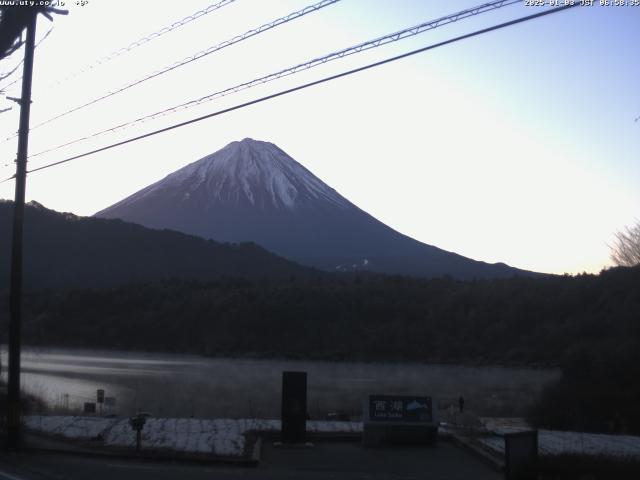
(553, 442)
(81, 428)
(224, 436)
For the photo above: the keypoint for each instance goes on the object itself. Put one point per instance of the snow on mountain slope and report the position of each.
(253, 191)
(248, 172)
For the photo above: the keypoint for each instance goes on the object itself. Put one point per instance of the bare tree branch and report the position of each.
(626, 249)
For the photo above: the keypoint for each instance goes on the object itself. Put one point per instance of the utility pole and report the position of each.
(13, 394)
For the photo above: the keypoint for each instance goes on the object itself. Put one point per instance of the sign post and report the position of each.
(137, 424)
(110, 404)
(100, 398)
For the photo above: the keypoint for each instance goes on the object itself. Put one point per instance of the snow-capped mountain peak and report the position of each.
(253, 191)
(249, 172)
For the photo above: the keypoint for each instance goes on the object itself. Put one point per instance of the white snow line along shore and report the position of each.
(554, 442)
(226, 437)
(222, 437)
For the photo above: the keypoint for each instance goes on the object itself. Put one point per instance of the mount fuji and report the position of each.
(253, 191)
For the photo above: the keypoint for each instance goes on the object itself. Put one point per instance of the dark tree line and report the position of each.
(542, 321)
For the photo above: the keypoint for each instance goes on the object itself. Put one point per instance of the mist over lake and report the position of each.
(185, 385)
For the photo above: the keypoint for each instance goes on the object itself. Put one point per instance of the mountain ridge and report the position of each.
(62, 250)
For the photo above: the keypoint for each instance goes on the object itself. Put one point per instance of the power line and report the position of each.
(307, 85)
(133, 45)
(2, 89)
(263, 28)
(10, 72)
(146, 39)
(6, 75)
(376, 42)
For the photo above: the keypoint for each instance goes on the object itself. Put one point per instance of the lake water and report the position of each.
(183, 385)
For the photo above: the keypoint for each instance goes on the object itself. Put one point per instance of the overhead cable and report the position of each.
(192, 58)
(147, 38)
(307, 85)
(8, 74)
(374, 43)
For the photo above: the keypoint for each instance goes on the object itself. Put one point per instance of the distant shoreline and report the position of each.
(268, 357)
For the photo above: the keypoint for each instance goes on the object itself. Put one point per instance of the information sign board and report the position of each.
(392, 408)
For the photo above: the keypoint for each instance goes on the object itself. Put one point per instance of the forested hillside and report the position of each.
(62, 250)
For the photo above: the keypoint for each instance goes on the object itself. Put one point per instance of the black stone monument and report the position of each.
(294, 407)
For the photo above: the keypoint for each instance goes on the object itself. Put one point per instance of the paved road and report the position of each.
(350, 460)
(323, 461)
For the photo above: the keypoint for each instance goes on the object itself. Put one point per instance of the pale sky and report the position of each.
(518, 146)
